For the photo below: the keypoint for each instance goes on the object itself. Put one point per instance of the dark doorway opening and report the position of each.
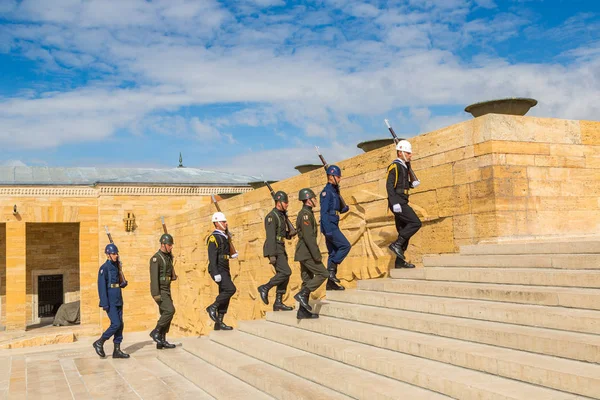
(50, 295)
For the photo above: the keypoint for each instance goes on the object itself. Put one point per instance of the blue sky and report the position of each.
(251, 86)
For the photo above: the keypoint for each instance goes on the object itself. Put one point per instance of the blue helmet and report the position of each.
(334, 170)
(111, 249)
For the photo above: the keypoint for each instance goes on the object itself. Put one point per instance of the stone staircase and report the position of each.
(510, 321)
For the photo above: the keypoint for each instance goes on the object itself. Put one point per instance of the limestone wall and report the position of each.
(488, 179)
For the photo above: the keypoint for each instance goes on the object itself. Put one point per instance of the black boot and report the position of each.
(278, 305)
(263, 290)
(157, 337)
(333, 286)
(99, 347)
(302, 298)
(117, 353)
(165, 344)
(212, 311)
(332, 268)
(397, 247)
(303, 313)
(220, 325)
(400, 263)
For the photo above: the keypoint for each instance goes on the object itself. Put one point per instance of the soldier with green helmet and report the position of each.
(313, 271)
(161, 275)
(274, 250)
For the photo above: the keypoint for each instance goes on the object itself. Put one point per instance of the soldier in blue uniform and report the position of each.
(110, 283)
(338, 246)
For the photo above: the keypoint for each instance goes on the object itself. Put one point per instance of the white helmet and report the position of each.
(404, 145)
(219, 217)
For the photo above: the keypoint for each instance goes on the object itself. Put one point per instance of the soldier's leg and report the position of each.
(407, 223)
(283, 278)
(412, 223)
(115, 323)
(282, 273)
(118, 338)
(117, 353)
(341, 245)
(319, 274)
(167, 310)
(305, 274)
(226, 290)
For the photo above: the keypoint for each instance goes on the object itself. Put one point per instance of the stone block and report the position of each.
(590, 132)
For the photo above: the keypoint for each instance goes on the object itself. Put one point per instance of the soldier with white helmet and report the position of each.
(218, 268)
(400, 179)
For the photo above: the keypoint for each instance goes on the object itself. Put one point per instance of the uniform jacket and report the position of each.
(330, 209)
(218, 253)
(276, 232)
(161, 268)
(397, 183)
(108, 276)
(306, 225)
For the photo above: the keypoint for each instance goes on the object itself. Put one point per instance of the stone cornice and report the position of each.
(36, 191)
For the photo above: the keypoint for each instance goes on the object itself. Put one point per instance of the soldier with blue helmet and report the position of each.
(338, 246)
(110, 283)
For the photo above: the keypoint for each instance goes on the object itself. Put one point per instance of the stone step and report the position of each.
(514, 276)
(212, 380)
(263, 376)
(540, 295)
(571, 345)
(453, 381)
(548, 261)
(586, 321)
(553, 372)
(354, 382)
(551, 247)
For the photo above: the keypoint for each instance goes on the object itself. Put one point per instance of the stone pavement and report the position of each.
(74, 371)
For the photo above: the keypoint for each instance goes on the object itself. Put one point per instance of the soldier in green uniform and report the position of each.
(308, 254)
(274, 249)
(161, 267)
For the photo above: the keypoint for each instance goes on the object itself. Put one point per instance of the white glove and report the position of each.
(234, 255)
(416, 183)
(397, 208)
(217, 278)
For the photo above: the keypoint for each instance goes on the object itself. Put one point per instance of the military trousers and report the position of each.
(313, 274)
(226, 290)
(282, 271)
(166, 309)
(115, 314)
(407, 224)
(338, 248)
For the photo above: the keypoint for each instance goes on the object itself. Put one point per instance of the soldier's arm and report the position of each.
(326, 208)
(213, 256)
(271, 240)
(103, 287)
(393, 176)
(154, 276)
(309, 237)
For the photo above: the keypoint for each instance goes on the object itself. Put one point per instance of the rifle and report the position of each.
(411, 173)
(342, 202)
(289, 227)
(110, 239)
(232, 249)
(173, 274)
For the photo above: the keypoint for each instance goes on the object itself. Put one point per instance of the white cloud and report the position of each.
(13, 163)
(279, 69)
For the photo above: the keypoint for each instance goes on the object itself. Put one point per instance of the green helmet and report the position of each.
(280, 196)
(166, 239)
(305, 194)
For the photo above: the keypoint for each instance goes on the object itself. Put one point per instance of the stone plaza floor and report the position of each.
(74, 371)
